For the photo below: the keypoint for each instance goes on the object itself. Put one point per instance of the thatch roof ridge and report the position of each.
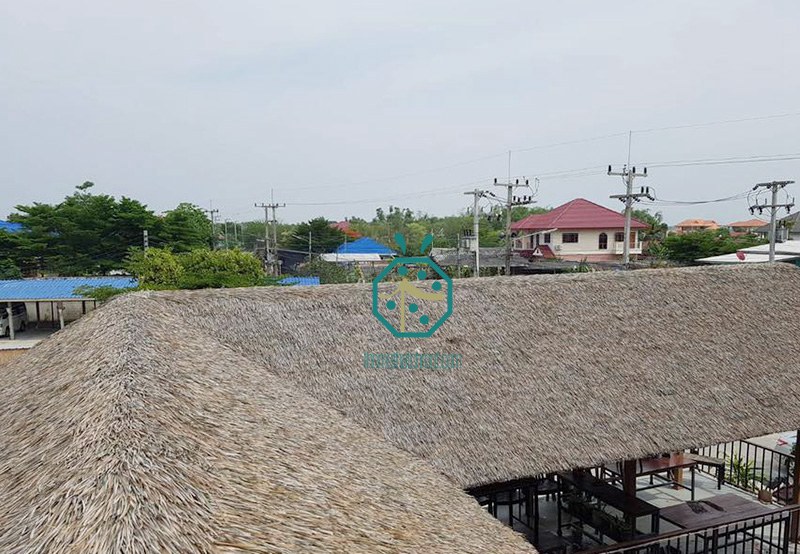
(125, 435)
(558, 370)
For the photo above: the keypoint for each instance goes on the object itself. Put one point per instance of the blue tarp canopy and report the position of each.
(300, 281)
(365, 245)
(10, 227)
(57, 288)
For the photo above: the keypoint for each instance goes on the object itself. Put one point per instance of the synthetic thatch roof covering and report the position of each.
(132, 432)
(207, 419)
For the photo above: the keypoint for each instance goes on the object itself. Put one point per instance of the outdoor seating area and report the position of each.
(680, 502)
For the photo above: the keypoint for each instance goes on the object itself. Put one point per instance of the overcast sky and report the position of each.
(366, 104)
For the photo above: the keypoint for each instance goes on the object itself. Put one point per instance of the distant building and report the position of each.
(690, 225)
(345, 227)
(366, 253)
(575, 231)
(788, 228)
(10, 227)
(748, 227)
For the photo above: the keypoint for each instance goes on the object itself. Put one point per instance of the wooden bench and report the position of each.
(717, 463)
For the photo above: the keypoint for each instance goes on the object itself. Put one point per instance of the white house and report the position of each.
(575, 231)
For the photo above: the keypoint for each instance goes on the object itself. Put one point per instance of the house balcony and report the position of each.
(619, 247)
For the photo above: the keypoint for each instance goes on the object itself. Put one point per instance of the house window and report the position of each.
(546, 238)
(602, 242)
(569, 237)
(619, 237)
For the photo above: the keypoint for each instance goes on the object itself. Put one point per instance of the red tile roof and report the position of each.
(576, 214)
(544, 250)
(344, 227)
(750, 223)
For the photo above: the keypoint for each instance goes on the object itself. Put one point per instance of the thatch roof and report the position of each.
(132, 432)
(558, 371)
(199, 420)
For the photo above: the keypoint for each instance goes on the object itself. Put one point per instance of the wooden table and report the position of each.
(723, 510)
(733, 507)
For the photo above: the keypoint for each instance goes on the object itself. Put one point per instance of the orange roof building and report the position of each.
(747, 226)
(344, 227)
(689, 225)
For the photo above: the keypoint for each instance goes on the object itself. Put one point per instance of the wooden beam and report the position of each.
(629, 477)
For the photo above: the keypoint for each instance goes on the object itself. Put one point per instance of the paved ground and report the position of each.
(705, 488)
(26, 339)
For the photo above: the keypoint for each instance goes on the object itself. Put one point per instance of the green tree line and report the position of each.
(90, 234)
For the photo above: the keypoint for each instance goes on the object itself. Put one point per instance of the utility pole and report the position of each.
(628, 175)
(212, 213)
(271, 250)
(773, 186)
(512, 201)
(477, 194)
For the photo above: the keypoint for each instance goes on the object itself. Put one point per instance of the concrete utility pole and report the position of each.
(477, 194)
(212, 213)
(628, 198)
(271, 246)
(512, 201)
(774, 186)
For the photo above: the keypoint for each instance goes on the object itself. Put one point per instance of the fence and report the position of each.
(768, 534)
(750, 467)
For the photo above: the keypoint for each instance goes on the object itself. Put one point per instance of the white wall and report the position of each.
(588, 241)
(72, 311)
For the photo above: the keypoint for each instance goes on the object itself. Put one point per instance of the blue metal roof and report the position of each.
(365, 245)
(10, 227)
(57, 288)
(300, 281)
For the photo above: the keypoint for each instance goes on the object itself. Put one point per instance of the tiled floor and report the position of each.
(705, 488)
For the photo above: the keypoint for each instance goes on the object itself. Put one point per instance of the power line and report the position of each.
(713, 123)
(729, 160)
(665, 202)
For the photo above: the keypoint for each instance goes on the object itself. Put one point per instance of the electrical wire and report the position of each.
(724, 161)
(720, 122)
(665, 202)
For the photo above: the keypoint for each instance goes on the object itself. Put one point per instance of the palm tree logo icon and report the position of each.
(413, 296)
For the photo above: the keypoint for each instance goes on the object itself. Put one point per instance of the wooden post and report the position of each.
(629, 477)
(795, 523)
(10, 322)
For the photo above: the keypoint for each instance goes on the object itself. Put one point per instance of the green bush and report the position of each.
(219, 269)
(162, 269)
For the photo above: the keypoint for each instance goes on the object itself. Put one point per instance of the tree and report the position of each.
(656, 228)
(9, 270)
(162, 269)
(84, 234)
(324, 238)
(185, 228)
(521, 212)
(688, 247)
(328, 273)
(219, 269)
(155, 268)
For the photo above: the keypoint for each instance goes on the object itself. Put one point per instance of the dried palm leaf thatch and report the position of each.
(134, 432)
(558, 371)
